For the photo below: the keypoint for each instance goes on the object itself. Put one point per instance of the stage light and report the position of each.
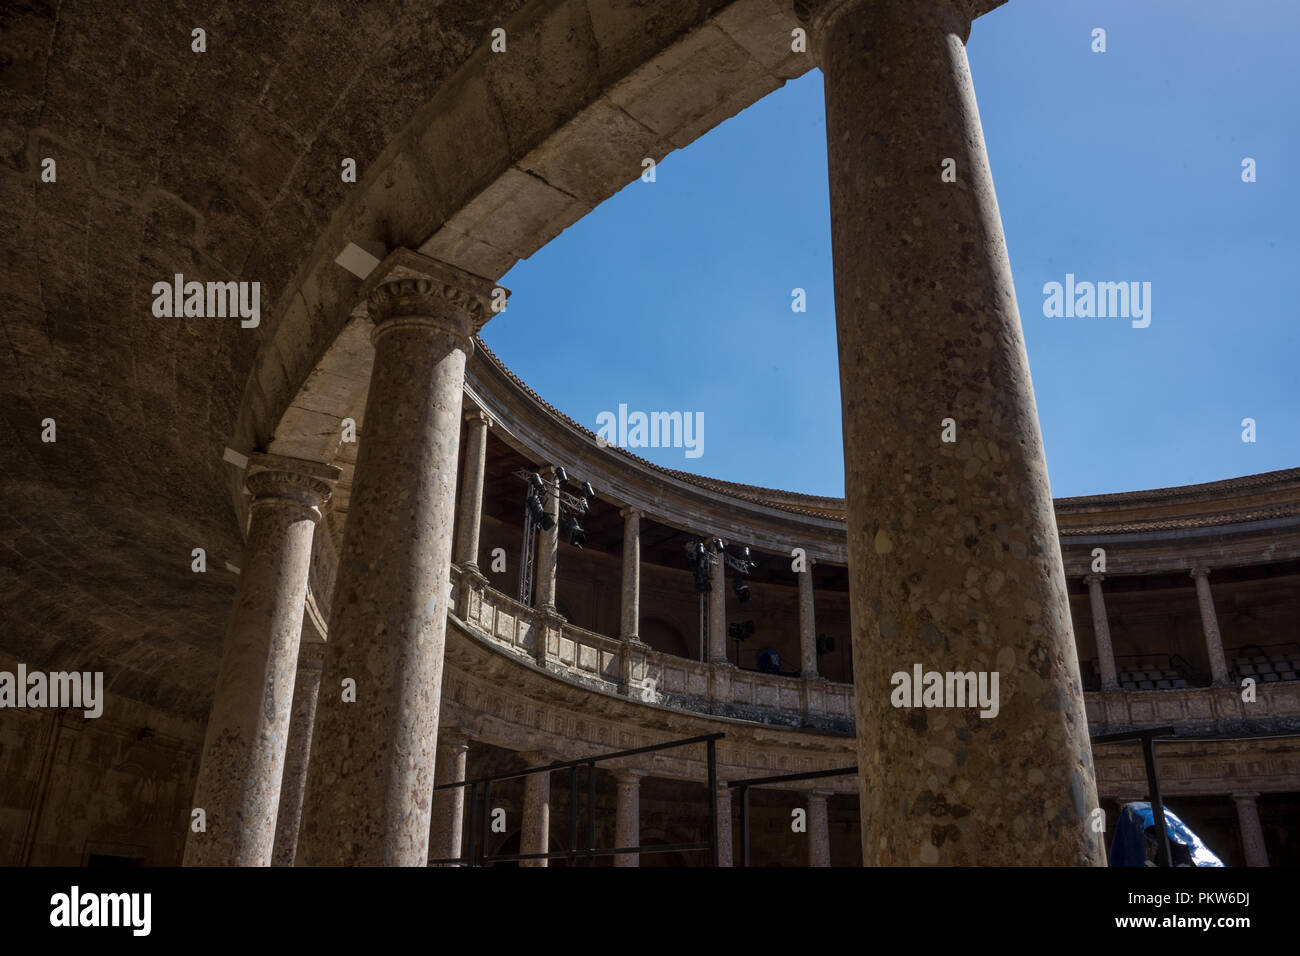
(718, 546)
(540, 515)
(573, 533)
(587, 490)
(561, 475)
(741, 589)
(536, 483)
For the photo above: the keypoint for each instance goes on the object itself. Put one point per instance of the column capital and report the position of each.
(631, 511)
(409, 289)
(817, 15)
(454, 738)
(820, 793)
(1245, 796)
(1094, 578)
(537, 758)
(1200, 571)
(290, 480)
(630, 774)
(478, 416)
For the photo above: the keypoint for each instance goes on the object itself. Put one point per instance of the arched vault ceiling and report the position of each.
(224, 165)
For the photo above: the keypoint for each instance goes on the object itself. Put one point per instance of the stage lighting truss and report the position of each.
(537, 492)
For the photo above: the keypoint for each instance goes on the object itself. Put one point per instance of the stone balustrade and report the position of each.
(1197, 711)
(586, 657)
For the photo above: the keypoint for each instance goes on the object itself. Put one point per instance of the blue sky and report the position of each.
(1116, 166)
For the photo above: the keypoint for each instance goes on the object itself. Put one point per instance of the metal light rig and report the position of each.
(702, 556)
(537, 490)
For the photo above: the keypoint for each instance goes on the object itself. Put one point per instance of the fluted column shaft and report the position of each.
(238, 785)
(807, 623)
(370, 782)
(1210, 626)
(954, 557)
(1101, 632)
(311, 660)
(471, 494)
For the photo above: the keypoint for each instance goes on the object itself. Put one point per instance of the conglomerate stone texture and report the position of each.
(953, 556)
(371, 775)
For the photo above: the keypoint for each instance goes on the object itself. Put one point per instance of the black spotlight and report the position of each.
(718, 546)
(536, 483)
(587, 490)
(741, 589)
(561, 475)
(741, 632)
(573, 533)
(540, 515)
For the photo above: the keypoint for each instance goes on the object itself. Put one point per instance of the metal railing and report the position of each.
(745, 785)
(481, 790)
(1147, 737)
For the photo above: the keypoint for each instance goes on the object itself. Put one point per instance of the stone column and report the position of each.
(238, 786)
(370, 783)
(311, 659)
(449, 805)
(631, 574)
(819, 829)
(1252, 834)
(807, 623)
(536, 832)
(726, 853)
(1210, 625)
(627, 816)
(1101, 631)
(718, 610)
(548, 545)
(471, 494)
(954, 558)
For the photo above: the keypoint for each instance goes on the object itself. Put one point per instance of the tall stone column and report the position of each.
(631, 618)
(471, 495)
(726, 852)
(535, 836)
(954, 558)
(548, 545)
(311, 659)
(627, 815)
(1252, 834)
(449, 805)
(1210, 626)
(807, 623)
(819, 829)
(718, 610)
(370, 782)
(238, 786)
(1101, 632)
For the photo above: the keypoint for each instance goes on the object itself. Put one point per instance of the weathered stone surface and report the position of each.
(952, 546)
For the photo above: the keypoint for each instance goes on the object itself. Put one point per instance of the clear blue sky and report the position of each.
(1123, 165)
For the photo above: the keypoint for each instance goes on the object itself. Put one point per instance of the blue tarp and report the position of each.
(1129, 848)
